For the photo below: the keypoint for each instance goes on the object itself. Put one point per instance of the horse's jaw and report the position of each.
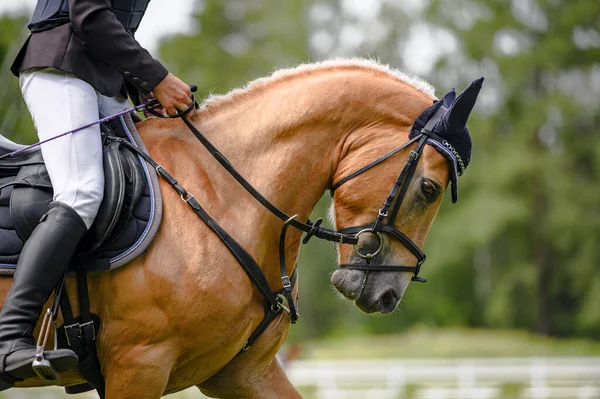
(372, 292)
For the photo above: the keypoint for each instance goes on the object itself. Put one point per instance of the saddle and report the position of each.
(128, 217)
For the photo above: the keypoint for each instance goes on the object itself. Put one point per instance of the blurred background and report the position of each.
(512, 306)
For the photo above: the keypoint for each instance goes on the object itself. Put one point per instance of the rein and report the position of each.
(148, 106)
(310, 228)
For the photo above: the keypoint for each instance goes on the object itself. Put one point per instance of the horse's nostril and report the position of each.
(388, 301)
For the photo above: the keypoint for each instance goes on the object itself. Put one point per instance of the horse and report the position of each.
(178, 315)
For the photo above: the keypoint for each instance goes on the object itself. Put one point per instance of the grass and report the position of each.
(449, 343)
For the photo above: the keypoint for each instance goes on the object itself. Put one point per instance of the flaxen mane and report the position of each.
(371, 66)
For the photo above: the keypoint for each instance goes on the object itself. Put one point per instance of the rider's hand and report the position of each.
(144, 98)
(173, 94)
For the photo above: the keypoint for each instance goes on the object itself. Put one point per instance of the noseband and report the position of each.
(384, 222)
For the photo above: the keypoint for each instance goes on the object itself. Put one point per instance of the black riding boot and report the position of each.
(41, 265)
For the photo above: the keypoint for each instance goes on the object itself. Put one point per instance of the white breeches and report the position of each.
(59, 102)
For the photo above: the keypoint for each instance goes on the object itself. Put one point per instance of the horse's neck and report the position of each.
(288, 161)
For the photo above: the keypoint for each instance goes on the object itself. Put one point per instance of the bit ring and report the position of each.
(369, 256)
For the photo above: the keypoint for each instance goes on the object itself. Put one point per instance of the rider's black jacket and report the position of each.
(91, 43)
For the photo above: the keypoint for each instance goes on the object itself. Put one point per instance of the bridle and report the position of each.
(384, 222)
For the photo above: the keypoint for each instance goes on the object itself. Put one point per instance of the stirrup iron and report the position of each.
(42, 367)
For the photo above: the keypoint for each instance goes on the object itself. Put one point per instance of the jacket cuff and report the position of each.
(146, 77)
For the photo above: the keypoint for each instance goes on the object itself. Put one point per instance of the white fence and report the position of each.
(535, 378)
(514, 378)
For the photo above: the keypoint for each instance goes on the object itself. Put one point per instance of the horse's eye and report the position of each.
(428, 188)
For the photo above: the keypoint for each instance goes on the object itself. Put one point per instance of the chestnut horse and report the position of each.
(178, 315)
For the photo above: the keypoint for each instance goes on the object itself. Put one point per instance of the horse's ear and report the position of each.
(461, 108)
(448, 98)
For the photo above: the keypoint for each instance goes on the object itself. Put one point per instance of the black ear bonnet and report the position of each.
(448, 122)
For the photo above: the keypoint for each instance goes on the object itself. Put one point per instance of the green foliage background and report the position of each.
(521, 248)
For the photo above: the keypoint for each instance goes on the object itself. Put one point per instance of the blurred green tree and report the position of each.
(15, 122)
(237, 41)
(526, 250)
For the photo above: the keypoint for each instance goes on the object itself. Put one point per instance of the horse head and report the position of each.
(410, 181)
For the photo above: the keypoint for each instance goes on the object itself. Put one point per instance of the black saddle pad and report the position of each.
(127, 220)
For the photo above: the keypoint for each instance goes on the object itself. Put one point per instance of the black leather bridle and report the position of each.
(384, 222)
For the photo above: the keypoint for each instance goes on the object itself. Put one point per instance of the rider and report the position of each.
(74, 66)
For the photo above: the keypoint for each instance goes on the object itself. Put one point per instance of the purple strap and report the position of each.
(140, 107)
